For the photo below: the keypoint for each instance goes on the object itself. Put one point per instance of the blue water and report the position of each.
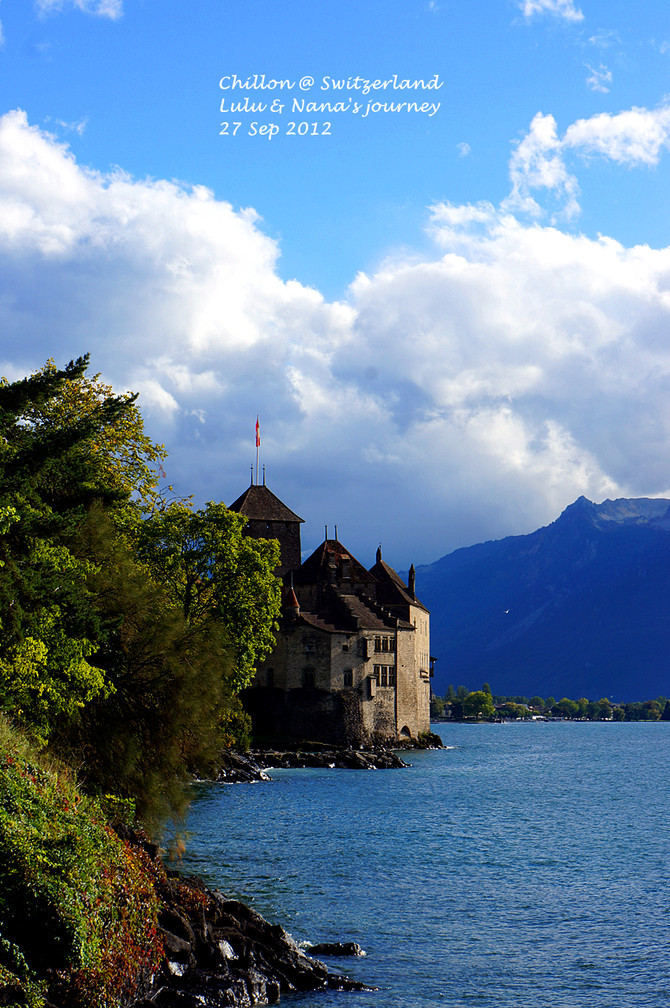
(526, 866)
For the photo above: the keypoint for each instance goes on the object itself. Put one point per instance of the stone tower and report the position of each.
(269, 518)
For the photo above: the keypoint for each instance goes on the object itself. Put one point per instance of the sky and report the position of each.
(427, 242)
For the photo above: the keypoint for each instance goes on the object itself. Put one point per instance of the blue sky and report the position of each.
(451, 324)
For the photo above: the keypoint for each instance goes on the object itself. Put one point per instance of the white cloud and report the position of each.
(463, 149)
(599, 78)
(558, 8)
(112, 9)
(538, 163)
(635, 137)
(466, 396)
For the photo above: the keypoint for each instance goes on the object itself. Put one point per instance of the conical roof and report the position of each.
(260, 504)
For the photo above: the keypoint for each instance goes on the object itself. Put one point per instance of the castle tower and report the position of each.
(269, 518)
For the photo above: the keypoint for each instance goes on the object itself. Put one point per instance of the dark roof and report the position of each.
(391, 589)
(259, 503)
(346, 597)
(315, 569)
(337, 612)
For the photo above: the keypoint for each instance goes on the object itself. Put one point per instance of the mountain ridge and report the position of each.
(576, 608)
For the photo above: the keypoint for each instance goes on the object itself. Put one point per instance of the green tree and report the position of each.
(160, 720)
(478, 705)
(214, 572)
(48, 628)
(124, 668)
(436, 706)
(566, 708)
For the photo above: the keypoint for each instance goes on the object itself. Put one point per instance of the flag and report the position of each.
(258, 434)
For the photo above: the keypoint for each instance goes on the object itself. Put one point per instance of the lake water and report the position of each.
(525, 866)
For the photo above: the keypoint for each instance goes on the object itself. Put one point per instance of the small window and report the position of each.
(348, 677)
(392, 678)
(385, 643)
(345, 647)
(376, 674)
(308, 678)
(378, 643)
(385, 676)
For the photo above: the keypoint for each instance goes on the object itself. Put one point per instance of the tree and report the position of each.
(566, 708)
(436, 706)
(159, 721)
(76, 418)
(129, 665)
(478, 705)
(49, 628)
(215, 573)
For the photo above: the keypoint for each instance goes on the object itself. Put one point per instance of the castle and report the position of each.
(352, 660)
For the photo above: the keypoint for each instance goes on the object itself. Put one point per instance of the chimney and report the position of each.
(411, 582)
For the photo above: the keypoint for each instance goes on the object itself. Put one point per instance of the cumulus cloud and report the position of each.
(469, 395)
(558, 8)
(635, 137)
(112, 9)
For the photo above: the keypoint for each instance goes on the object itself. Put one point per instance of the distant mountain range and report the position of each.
(578, 608)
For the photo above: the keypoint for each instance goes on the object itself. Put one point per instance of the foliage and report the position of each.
(437, 707)
(158, 723)
(107, 447)
(215, 573)
(513, 710)
(127, 626)
(478, 705)
(78, 913)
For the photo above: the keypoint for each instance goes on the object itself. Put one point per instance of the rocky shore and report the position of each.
(251, 766)
(239, 767)
(221, 954)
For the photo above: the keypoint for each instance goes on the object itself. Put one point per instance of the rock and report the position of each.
(337, 949)
(222, 954)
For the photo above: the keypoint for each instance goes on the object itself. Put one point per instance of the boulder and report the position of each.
(337, 949)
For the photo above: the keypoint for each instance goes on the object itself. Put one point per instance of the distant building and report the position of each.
(352, 661)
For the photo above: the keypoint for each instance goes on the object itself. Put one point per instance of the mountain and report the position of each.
(577, 608)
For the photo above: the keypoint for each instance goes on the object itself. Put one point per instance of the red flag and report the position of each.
(258, 434)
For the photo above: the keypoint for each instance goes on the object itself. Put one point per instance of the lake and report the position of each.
(524, 866)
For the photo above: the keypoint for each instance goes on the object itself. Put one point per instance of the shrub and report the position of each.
(78, 906)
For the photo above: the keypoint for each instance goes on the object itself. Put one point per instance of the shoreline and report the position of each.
(241, 767)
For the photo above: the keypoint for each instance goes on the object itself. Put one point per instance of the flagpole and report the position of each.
(258, 443)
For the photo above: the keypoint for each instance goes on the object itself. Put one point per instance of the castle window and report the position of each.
(376, 674)
(308, 678)
(385, 643)
(345, 647)
(385, 676)
(378, 643)
(348, 677)
(392, 677)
